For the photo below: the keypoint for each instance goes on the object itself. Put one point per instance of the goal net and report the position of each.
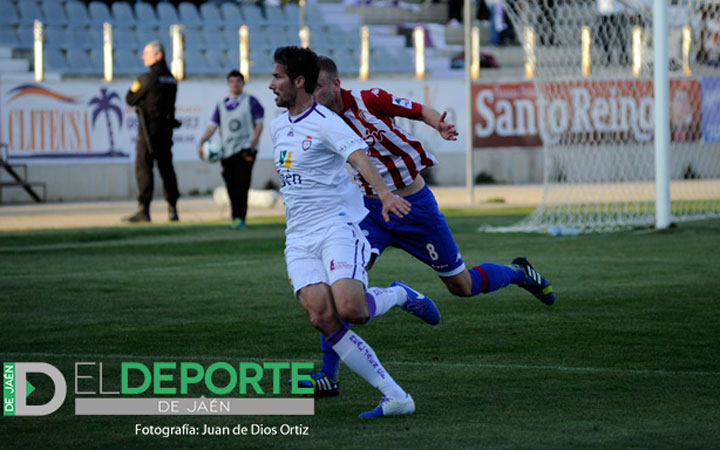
(591, 64)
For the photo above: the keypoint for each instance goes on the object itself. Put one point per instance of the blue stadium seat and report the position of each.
(146, 14)
(252, 15)
(124, 38)
(25, 37)
(8, 37)
(292, 13)
(274, 16)
(232, 39)
(189, 15)
(211, 14)
(77, 14)
(29, 12)
(55, 60)
(220, 61)
(57, 37)
(53, 12)
(127, 62)
(231, 14)
(99, 13)
(313, 14)
(78, 62)
(9, 14)
(261, 63)
(214, 37)
(167, 15)
(402, 60)
(347, 63)
(85, 38)
(279, 38)
(123, 14)
(265, 39)
(196, 63)
(195, 38)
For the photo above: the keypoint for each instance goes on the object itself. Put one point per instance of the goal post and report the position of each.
(626, 142)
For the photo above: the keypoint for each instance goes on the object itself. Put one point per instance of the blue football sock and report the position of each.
(330, 358)
(489, 277)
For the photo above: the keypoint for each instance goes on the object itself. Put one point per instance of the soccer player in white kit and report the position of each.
(325, 250)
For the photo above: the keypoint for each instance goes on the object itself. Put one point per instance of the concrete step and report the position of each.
(5, 52)
(14, 65)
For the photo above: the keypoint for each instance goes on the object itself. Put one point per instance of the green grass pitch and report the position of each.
(628, 357)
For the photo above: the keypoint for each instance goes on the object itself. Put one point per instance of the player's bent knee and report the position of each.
(325, 323)
(353, 310)
(459, 285)
(317, 301)
(459, 290)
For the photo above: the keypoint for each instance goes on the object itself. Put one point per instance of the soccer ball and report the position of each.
(212, 151)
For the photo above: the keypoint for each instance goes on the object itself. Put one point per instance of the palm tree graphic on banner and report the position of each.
(104, 104)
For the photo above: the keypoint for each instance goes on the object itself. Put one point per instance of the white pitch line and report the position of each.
(95, 357)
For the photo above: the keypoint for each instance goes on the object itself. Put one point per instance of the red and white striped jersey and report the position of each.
(398, 156)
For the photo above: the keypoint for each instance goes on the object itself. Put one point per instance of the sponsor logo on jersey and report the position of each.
(285, 159)
(288, 179)
(405, 103)
(307, 143)
(372, 137)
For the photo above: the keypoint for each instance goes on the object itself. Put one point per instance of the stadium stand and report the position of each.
(55, 60)
(77, 14)
(53, 12)
(146, 13)
(8, 38)
(29, 12)
(167, 15)
(99, 13)
(210, 14)
(73, 34)
(189, 15)
(57, 37)
(10, 15)
(123, 14)
(231, 14)
(79, 62)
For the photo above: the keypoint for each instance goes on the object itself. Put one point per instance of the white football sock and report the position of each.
(380, 300)
(361, 358)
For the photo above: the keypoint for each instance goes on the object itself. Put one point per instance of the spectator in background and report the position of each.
(153, 95)
(239, 117)
(612, 31)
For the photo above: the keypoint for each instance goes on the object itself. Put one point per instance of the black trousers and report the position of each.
(237, 171)
(160, 150)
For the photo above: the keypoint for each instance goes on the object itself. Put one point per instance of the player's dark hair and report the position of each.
(299, 61)
(328, 66)
(236, 73)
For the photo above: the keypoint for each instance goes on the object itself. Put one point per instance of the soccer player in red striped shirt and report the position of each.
(423, 233)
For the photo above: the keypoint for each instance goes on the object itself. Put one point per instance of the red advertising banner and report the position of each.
(505, 115)
(580, 112)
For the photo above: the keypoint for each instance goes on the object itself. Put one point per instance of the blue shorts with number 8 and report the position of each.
(423, 233)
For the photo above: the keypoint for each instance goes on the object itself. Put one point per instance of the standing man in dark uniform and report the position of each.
(153, 94)
(239, 119)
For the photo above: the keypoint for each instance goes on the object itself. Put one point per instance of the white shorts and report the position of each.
(327, 255)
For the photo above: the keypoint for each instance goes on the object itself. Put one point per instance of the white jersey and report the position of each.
(310, 152)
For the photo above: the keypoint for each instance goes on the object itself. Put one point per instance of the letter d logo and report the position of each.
(16, 387)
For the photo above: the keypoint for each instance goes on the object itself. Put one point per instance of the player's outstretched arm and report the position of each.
(391, 203)
(436, 120)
